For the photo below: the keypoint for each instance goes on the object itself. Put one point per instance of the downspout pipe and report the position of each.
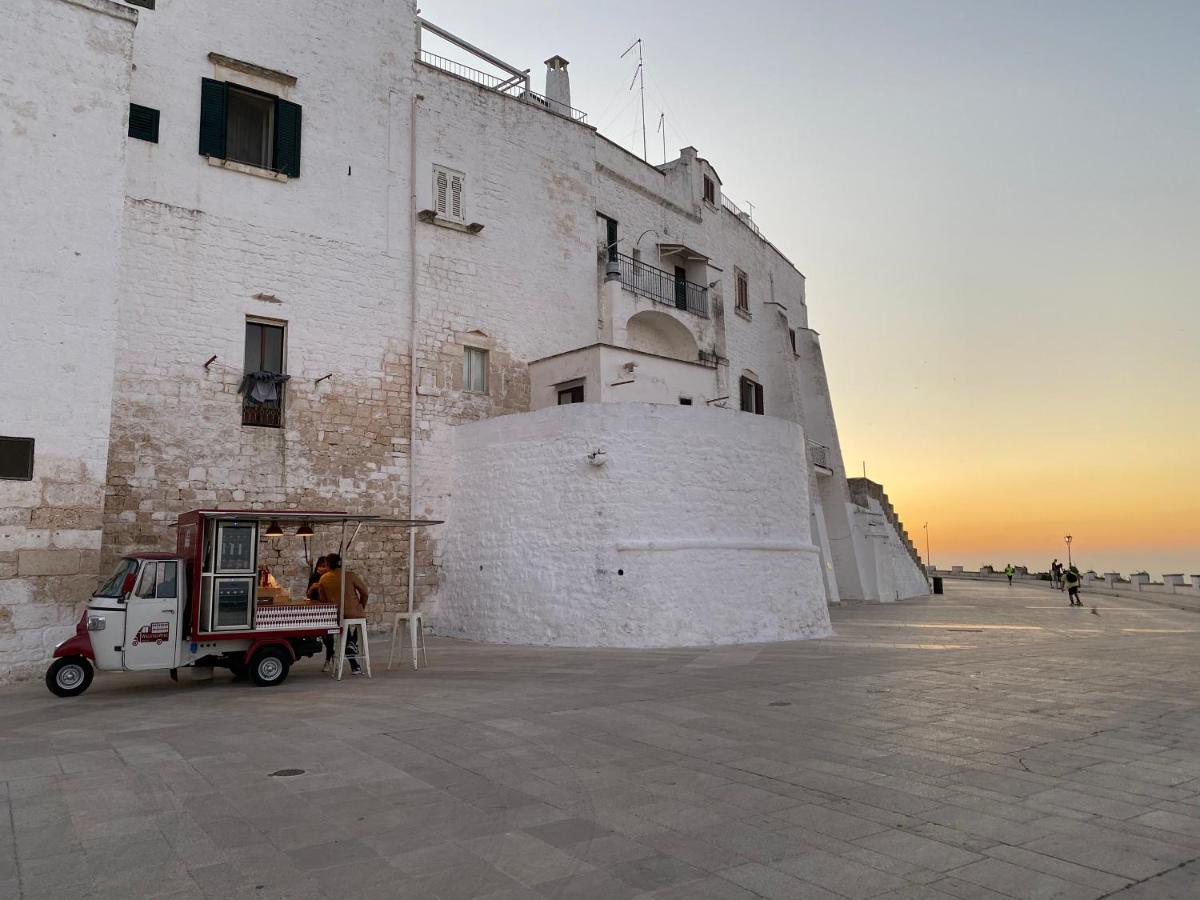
(412, 350)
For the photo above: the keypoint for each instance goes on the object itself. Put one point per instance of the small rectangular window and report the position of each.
(143, 123)
(166, 582)
(710, 191)
(145, 582)
(475, 370)
(250, 127)
(792, 337)
(449, 186)
(262, 388)
(685, 401)
(742, 290)
(572, 393)
(751, 396)
(612, 238)
(16, 458)
(250, 137)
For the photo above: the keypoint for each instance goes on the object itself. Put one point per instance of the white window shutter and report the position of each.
(440, 185)
(456, 192)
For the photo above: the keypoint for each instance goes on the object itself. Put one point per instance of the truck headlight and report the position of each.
(95, 623)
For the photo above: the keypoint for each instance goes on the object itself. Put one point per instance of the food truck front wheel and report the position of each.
(270, 666)
(69, 676)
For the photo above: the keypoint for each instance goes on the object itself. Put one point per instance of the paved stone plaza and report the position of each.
(990, 743)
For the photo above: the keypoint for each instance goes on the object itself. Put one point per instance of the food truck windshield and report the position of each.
(115, 585)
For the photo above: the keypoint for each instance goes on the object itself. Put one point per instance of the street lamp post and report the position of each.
(1068, 539)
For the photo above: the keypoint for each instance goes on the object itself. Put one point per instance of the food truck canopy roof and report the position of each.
(311, 517)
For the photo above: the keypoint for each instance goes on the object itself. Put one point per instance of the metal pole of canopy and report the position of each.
(412, 565)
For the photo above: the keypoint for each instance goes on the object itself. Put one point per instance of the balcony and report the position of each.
(662, 286)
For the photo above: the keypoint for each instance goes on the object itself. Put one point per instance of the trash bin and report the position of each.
(937, 584)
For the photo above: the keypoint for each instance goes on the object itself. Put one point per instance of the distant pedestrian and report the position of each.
(1055, 573)
(1008, 570)
(1071, 580)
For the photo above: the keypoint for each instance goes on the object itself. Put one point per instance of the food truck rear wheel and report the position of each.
(270, 666)
(69, 676)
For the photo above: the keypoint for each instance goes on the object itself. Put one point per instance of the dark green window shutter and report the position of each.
(214, 96)
(287, 138)
(143, 123)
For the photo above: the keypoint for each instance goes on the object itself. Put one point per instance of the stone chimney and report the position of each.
(558, 85)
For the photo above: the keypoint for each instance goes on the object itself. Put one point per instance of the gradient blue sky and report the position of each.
(997, 206)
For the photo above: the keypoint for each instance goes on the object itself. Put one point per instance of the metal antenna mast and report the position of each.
(639, 77)
(662, 126)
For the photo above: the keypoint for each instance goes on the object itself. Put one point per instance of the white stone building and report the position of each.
(210, 189)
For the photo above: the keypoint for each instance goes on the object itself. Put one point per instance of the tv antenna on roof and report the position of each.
(639, 77)
(662, 126)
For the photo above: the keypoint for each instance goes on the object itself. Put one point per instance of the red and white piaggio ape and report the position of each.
(204, 606)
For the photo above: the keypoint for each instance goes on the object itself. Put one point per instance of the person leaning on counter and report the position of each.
(329, 589)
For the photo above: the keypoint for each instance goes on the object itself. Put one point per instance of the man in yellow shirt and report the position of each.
(355, 607)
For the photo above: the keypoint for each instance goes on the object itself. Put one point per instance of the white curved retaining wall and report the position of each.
(694, 532)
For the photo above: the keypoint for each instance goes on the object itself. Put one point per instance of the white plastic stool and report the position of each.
(364, 647)
(416, 632)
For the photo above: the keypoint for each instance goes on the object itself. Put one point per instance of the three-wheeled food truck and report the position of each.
(208, 604)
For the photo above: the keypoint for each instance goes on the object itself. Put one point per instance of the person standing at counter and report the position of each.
(330, 591)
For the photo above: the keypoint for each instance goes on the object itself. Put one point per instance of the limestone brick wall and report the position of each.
(64, 94)
(695, 531)
(189, 280)
(325, 254)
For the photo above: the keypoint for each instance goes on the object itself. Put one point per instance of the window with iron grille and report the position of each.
(710, 191)
(16, 458)
(448, 189)
(262, 404)
(475, 370)
(751, 396)
(741, 290)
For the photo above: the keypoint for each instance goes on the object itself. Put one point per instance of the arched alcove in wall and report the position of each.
(655, 332)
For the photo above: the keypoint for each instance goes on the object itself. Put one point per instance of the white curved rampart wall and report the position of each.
(695, 531)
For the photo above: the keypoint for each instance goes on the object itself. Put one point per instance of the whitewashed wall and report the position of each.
(694, 532)
(64, 95)
(653, 379)
(889, 572)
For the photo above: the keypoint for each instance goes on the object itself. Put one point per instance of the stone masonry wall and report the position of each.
(64, 94)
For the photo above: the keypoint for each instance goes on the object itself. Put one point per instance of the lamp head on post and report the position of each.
(273, 530)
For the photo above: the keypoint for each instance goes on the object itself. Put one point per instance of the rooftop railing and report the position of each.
(512, 87)
(746, 218)
(662, 286)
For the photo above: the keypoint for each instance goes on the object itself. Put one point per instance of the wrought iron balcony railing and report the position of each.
(662, 286)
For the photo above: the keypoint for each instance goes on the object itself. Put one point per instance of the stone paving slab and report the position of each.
(988, 743)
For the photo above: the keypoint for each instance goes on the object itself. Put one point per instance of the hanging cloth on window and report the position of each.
(262, 387)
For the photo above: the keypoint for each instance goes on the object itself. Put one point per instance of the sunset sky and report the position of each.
(997, 206)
